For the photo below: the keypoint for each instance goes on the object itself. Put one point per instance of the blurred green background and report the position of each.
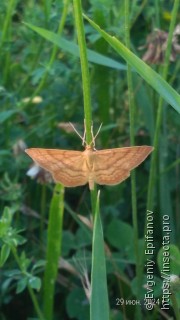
(38, 99)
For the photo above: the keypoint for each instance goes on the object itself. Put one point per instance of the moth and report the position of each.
(76, 168)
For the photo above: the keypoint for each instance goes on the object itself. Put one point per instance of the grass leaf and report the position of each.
(99, 306)
(146, 72)
(73, 48)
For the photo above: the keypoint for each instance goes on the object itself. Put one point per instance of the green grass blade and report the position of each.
(99, 305)
(147, 73)
(53, 249)
(72, 48)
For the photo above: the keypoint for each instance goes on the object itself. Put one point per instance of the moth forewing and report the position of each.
(76, 168)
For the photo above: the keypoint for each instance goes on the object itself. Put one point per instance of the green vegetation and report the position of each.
(72, 253)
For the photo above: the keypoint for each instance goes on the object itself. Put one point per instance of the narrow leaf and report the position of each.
(73, 48)
(99, 305)
(146, 72)
(5, 251)
(53, 248)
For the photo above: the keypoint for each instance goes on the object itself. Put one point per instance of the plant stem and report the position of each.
(85, 82)
(31, 292)
(157, 13)
(132, 140)
(6, 40)
(84, 68)
(6, 22)
(42, 211)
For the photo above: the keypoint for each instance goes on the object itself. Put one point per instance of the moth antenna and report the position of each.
(94, 137)
(98, 131)
(82, 138)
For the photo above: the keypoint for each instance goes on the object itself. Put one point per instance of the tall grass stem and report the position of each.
(84, 68)
(132, 140)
